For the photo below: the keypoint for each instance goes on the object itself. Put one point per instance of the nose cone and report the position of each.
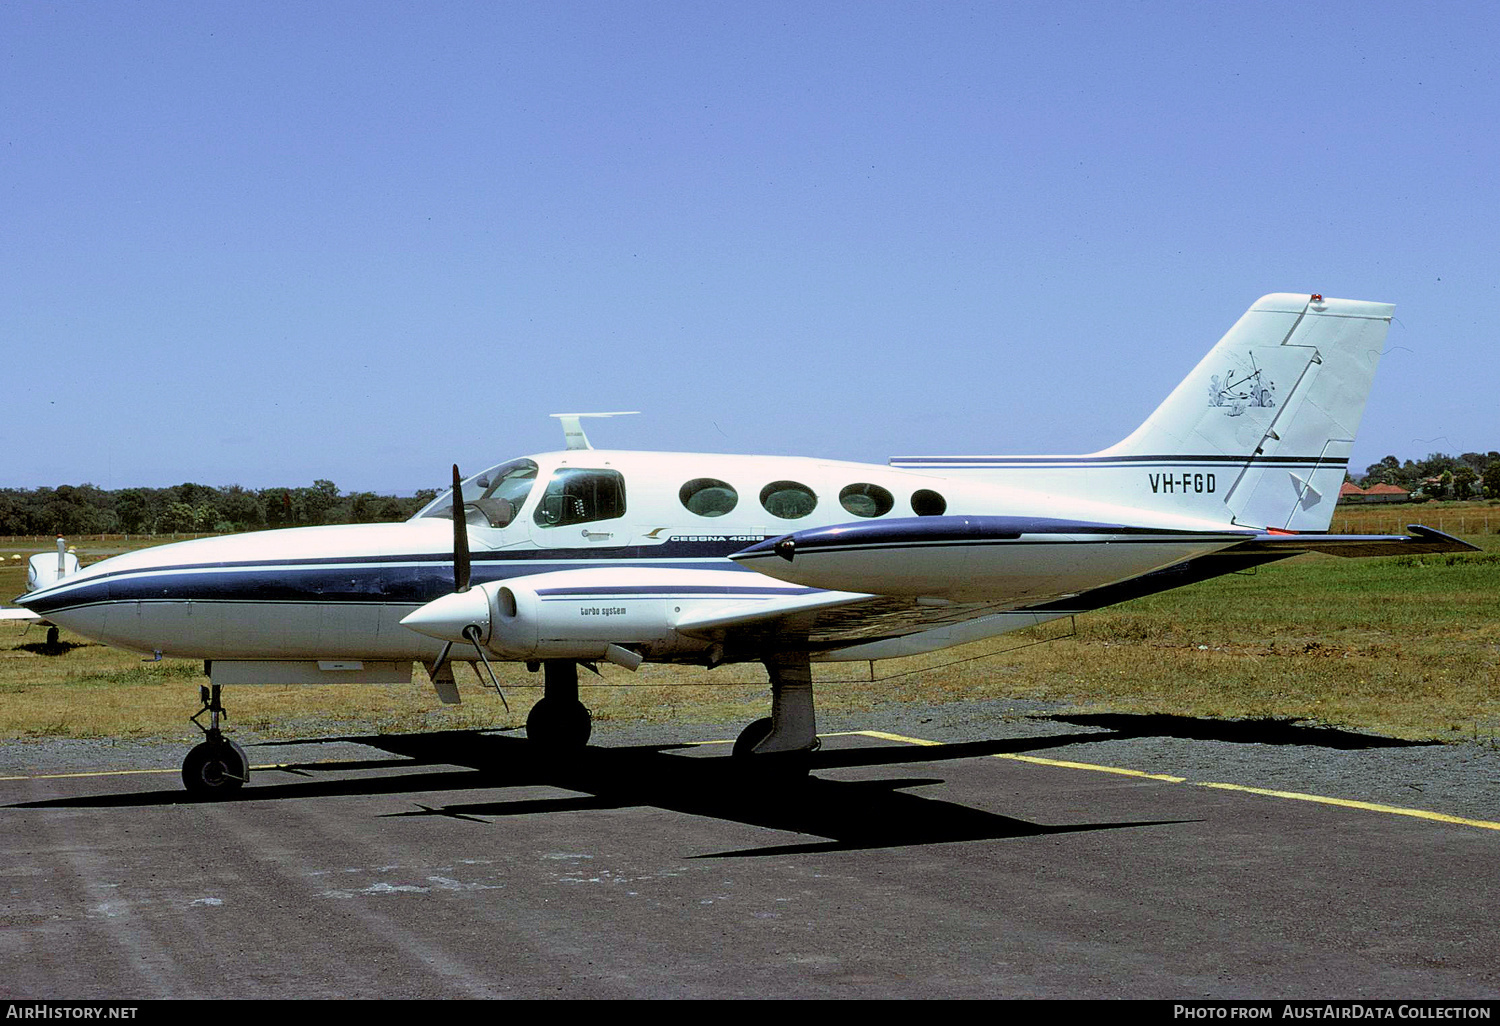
(448, 617)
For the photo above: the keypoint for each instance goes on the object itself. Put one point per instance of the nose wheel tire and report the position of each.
(215, 769)
(559, 724)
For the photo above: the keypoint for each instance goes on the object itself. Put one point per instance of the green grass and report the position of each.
(1403, 646)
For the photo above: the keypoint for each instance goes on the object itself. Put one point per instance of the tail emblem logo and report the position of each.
(1235, 394)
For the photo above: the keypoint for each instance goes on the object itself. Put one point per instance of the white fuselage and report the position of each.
(328, 593)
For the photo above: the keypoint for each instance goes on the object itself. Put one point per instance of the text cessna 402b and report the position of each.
(586, 555)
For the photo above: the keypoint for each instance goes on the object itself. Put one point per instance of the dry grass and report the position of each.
(1401, 646)
(1460, 518)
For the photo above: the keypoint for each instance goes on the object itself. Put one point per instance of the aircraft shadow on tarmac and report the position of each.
(1262, 731)
(847, 815)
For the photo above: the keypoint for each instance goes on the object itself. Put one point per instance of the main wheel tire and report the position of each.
(215, 769)
(769, 768)
(754, 734)
(559, 725)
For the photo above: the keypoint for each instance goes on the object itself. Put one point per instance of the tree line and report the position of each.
(1473, 475)
(193, 509)
(200, 509)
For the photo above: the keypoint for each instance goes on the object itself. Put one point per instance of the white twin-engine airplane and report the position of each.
(583, 555)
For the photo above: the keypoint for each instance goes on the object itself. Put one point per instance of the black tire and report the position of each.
(559, 725)
(758, 731)
(774, 768)
(215, 769)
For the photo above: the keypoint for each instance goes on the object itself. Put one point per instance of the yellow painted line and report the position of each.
(1393, 810)
(100, 773)
(130, 773)
(1032, 758)
(1097, 769)
(836, 733)
(883, 736)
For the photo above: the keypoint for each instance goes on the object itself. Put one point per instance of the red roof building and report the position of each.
(1351, 492)
(1386, 493)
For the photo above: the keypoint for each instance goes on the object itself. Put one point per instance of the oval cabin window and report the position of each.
(927, 503)
(788, 500)
(708, 496)
(866, 500)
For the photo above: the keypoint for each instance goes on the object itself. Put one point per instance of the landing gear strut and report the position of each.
(780, 744)
(559, 722)
(217, 767)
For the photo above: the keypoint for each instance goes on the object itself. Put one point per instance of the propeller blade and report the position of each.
(442, 658)
(460, 537)
(472, 633)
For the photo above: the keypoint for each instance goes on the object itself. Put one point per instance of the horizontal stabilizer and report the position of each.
(1421, 541)
(19, 614)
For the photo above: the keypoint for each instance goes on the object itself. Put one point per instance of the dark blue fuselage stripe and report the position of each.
(622, 555)
(657, 591)
(816, 549)
(1107, 461)
(400, 577)
(352, 583)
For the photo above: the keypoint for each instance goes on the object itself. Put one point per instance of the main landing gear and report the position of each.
(217, 767)
(559, 722)
(774, 748)
(779, 746)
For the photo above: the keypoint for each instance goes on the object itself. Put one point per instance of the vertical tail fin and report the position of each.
(1284, 391)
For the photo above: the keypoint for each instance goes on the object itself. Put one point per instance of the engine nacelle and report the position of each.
(575, 615)
(614, 613)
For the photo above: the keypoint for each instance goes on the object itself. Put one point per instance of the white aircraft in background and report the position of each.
(584, 555)
(42, 571)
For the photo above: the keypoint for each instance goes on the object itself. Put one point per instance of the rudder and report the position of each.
(1284, 389)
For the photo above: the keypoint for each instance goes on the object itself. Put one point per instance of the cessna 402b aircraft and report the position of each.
(584, 555)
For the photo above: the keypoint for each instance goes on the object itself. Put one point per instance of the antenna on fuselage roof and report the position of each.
(572, 425)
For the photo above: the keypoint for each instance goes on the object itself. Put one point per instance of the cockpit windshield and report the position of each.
(491, 497)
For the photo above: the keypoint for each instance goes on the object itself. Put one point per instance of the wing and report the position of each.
(839, 627)
(679, 615)
(668, 614)
(885, 627)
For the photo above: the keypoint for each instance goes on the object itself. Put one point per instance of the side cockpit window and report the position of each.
(578, 496)
(505, 490)
(491, 498)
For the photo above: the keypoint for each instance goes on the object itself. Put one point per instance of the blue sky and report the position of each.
(262, 243)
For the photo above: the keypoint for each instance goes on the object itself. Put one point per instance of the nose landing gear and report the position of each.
(218, 767)
(559, 723)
